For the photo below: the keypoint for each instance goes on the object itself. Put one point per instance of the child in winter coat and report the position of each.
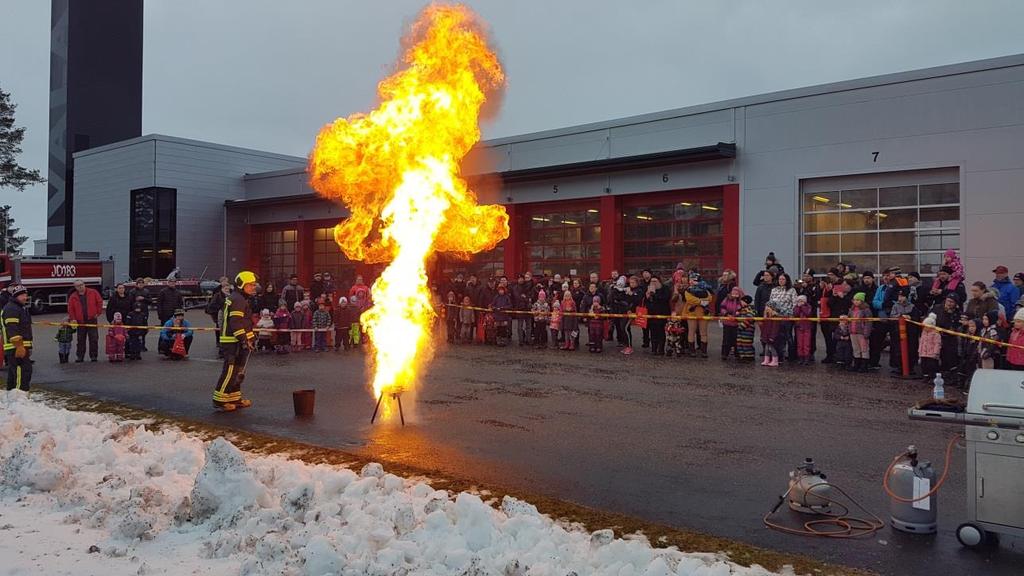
(117, 337)
(841, 337)
(675, 328)
(860, 331)
(541, 315)
(467, 321)
(729, 308)
(1015, 353)
(595, 327)
(745, 329)
(295, 323)
(265, 335)
(929, 348)
(988, 353)
(307, 337)
(451, 317)
(804, 329)
(970, 354)
(281, 337)
(570, 323)
(322, 325)
(342, 324)
(952, 260)
(555, 324)
(769, 332)
(63, 339)
(139, 316)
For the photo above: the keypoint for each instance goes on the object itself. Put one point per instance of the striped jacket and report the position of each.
(237, 326)
(15, 322)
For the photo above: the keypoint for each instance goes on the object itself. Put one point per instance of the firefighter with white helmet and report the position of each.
(16, 328)
(237, 340)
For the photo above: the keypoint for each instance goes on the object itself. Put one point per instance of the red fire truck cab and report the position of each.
(49, 279)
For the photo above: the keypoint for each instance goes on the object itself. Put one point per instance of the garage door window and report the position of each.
(875, 228)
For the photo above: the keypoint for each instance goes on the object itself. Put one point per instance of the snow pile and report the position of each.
(166, 502)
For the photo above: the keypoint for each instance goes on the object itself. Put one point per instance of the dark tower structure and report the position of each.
(95, 94)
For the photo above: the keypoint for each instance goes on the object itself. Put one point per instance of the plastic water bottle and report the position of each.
(939, 393)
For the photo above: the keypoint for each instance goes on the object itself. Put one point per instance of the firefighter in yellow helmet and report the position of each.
(236, 340)
(16, 329)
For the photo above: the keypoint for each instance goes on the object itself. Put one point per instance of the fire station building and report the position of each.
(881, 171)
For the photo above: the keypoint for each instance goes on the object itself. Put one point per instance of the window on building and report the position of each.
(563, 241)
(278, 251)
(659, 237)
(876, 228)
(152, 232)
(483, 264)
(328, 257)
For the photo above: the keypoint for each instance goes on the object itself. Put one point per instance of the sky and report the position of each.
(268, 74)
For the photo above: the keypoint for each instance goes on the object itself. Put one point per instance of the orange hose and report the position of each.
(844, 526)
(942, 478)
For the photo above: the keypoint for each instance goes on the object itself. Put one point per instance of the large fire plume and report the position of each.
(397, 170)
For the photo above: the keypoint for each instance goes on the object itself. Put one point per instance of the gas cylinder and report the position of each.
(912, 478)
(809, 492)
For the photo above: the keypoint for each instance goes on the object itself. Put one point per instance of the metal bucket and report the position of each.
(304, 401)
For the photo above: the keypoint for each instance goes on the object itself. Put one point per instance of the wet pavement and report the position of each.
(696, 444)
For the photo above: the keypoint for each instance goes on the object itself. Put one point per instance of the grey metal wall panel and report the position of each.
(103, 185)
(205, 177)
(278, 185)
(672, 134)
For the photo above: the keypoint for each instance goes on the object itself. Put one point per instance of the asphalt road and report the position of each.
(696, 444)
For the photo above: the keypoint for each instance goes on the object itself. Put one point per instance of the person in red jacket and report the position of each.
(84, 307)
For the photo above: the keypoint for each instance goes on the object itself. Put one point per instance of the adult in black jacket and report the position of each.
(140, 295)
(947, 315)
(939, 294)
(725, 285)
(838, 298)
(237, 341)
(763, 292)
(16, 328)
(625, 298)
(316, 287)
(522, 293)
(656, 299)
(270, 299)
(168, 301)
(120, 301)
(771, 264)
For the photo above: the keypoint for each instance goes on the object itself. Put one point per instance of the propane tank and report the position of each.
(808, 490)
(911, 478)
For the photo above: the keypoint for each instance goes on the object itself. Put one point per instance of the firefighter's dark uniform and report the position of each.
(16, 326)
(236, 339)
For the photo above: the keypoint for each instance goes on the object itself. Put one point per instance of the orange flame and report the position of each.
(397, 170)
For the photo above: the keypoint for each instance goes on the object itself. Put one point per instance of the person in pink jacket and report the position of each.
(1014, 355)
(929, 348)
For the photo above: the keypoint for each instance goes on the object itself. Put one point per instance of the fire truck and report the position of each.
(49, 279)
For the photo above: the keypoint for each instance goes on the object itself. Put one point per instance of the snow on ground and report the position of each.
(86, 493)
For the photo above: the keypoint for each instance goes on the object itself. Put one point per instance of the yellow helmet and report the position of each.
(245, 277)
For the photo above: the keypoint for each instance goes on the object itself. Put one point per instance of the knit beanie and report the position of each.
(859, 297)
(1019, 315)
(117, 316)
(542, 295)
(801, 299)
(930, 320)
(993, 317)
